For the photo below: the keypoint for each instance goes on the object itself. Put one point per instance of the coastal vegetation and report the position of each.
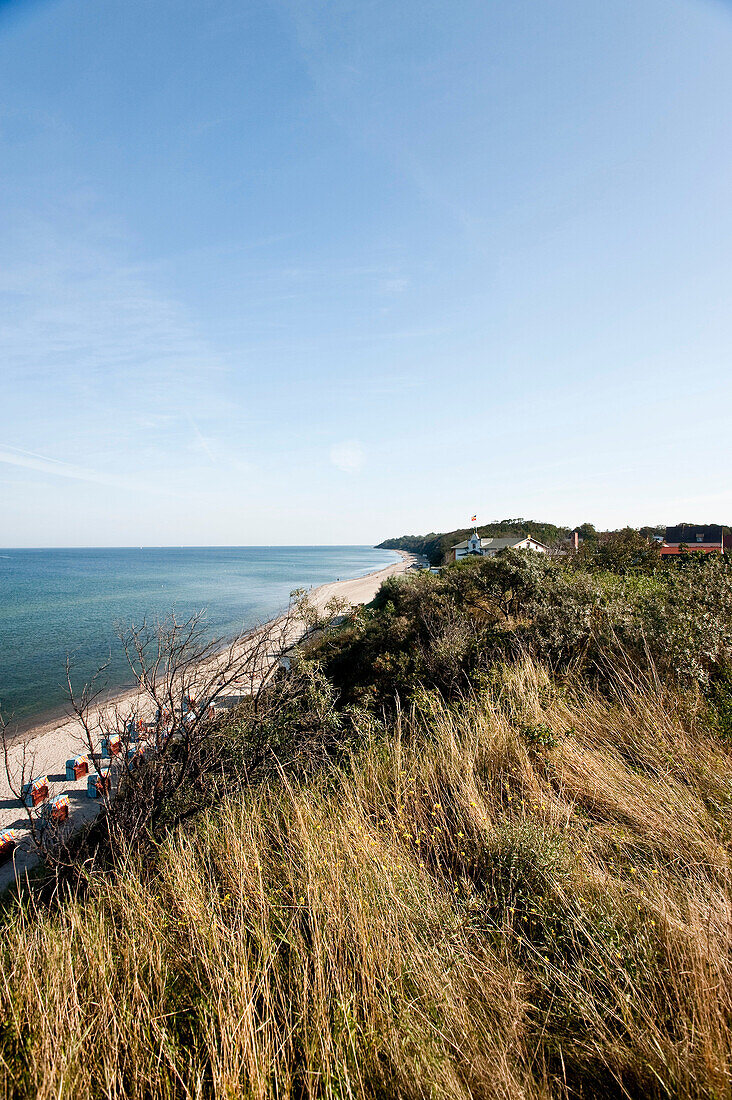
(475, 842)
(435, 546)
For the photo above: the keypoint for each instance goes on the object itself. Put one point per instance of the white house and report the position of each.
(488, 548)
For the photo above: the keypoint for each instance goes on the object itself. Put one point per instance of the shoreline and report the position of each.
(30, 728)
(50, 743)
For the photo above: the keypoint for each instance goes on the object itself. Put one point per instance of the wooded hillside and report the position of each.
(434, 546)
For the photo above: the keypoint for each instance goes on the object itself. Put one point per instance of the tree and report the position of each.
(587, 532)
(159, 753)
(619, 552)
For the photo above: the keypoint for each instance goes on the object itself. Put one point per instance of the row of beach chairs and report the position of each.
(54, 811)
(35, 793)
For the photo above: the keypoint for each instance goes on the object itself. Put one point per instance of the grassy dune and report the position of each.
(524, 896)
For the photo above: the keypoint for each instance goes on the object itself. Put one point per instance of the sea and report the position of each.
(55, 603)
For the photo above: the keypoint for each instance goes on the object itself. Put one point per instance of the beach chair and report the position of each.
(56, 811)
(59, 808)
(35, 791)
(112, 745)
(8, 844)
(76, 767)
(97, 785)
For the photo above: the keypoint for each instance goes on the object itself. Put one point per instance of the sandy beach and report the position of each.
(48, 745)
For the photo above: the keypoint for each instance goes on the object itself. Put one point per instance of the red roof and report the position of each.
(692, 548)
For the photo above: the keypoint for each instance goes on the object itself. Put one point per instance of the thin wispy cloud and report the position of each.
(200, 442)
(97, 360)
(78, 309)
(28, 460)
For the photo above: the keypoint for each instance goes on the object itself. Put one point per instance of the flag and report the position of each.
(473, 519)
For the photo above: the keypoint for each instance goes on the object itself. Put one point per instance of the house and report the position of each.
(489, 547)
(708, 538)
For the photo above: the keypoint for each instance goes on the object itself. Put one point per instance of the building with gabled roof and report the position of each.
(705, 538)
(475, 546)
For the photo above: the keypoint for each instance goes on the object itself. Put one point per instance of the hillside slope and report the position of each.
(479, 848)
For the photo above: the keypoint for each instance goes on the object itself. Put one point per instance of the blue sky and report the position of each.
(326, 271)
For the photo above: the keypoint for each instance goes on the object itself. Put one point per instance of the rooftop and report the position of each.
(692, 534)
(496, 543)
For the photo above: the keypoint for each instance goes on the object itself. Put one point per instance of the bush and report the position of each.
(444, 632)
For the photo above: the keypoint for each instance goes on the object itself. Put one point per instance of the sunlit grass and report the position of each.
(461, 910)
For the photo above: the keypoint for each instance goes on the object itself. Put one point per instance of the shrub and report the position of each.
(540, 735)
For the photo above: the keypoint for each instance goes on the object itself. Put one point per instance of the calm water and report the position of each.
(58, 601)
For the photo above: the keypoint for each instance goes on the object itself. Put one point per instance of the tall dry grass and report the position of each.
(527, 896)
